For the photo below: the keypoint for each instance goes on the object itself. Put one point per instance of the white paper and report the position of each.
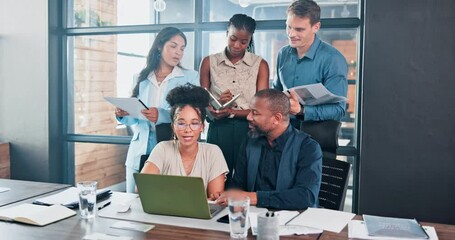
(357, 229)
(124, 206)
(66, 197)
(130, 105)
(4, 189)
(315, 94)
(103, 236)
(321, 218)
(283, 218)
(343, 142)
(141, 227)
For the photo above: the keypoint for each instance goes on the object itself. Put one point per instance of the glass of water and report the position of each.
(238, 216)
(87, 198)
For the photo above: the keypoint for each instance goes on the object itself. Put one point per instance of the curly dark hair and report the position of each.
(188, 95)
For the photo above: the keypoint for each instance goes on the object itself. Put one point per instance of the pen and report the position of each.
(41, 203)
(105, 205)
(143, 104)
(293, 218)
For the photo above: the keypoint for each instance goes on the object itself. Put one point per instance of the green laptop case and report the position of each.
(181, 196)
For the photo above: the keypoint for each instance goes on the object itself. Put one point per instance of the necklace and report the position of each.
(160, 77)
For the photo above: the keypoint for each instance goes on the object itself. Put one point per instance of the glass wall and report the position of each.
(107, 42)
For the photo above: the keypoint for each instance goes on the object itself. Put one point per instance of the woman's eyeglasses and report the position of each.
(193, 126)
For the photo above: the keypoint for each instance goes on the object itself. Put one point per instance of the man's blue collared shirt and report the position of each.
(321, 64)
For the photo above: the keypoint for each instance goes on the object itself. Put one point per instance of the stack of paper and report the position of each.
(397, 228)
(321, 218)
(311, 221)
(69, 197)
(358, 230)
(315, 94)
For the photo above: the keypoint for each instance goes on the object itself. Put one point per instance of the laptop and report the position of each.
(180, 196)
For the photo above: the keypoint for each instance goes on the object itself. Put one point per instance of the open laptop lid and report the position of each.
(181, 196)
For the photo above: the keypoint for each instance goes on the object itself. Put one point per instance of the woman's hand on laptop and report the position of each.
(214, 196)
(223, 199)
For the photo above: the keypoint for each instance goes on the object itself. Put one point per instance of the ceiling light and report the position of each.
(159, 5)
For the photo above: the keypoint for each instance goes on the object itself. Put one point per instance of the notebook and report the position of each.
(181, 196)
(35, 214)
(217, 105)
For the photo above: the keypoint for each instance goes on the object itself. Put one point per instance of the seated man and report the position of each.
(278, 167)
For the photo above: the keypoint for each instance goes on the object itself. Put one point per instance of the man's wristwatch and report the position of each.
(301, 114)
(302, 111)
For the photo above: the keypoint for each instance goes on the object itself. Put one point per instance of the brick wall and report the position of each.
(349, 50)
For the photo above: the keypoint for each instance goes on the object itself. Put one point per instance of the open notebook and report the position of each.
(35, 214)
(217, 105)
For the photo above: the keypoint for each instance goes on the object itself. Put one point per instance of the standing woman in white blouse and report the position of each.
(161, 74)
(235, 70)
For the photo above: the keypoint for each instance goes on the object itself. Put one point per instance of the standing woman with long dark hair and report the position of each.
(236, 70)
(162, 73)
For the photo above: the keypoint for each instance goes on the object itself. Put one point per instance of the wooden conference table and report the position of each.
(76, 228)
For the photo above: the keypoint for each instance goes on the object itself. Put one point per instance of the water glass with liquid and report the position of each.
(238, 216)
(87, 199)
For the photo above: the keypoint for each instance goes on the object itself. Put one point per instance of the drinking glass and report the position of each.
(87, 199)
(238, 216)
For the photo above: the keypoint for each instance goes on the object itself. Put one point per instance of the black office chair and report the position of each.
(334, 183)
(163, 133)
(325, 133)
(335, 173)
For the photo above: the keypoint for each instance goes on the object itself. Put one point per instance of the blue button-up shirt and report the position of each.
(322, 63)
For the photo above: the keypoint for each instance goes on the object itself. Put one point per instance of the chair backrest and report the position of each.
(334, 183)
(163, 133)
(325, 133)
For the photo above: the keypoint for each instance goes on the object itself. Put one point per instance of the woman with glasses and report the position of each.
(162, 73)
(185, 156)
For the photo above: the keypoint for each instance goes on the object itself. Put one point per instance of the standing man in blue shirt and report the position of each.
(279, 166)
(308, 60)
